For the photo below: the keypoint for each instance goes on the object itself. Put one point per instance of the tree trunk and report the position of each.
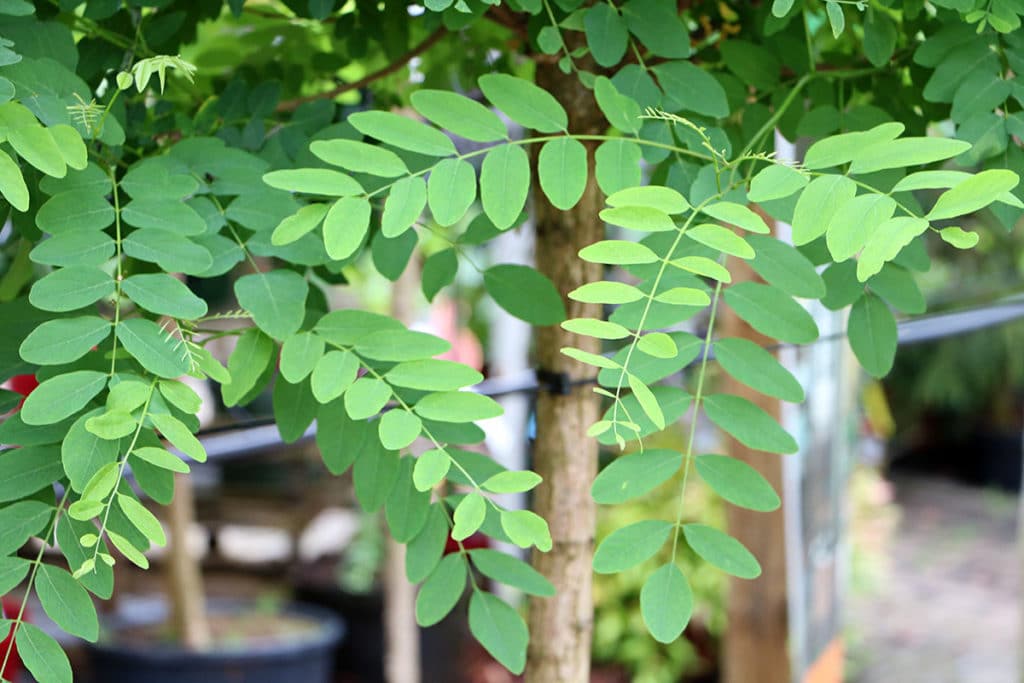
(185, 580)
(756, 639)
(561, 626)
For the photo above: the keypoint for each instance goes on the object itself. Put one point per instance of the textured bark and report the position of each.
(561, 626)
(756, 640)
(184, 576)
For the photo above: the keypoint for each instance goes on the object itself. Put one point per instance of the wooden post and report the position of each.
(184, 575)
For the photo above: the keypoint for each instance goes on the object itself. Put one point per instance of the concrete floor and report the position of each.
(944, 603)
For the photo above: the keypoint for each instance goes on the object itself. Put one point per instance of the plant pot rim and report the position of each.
(330, 629)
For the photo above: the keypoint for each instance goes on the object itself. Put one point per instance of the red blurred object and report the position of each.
(24, 385)
(13, 668)
(477, 540)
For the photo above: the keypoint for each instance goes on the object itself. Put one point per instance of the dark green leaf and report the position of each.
(666, 603)
(757, 368)
(442, 590)
(71, 288)
(722, 550)
(785, 267)
(737, 482)
(23, 471)
(62, 396)
(772, 312)
(872, 332)
(525, 293)
(42, 656)
(500, 629)
(276, 300)
(294, 408)
(154, 348)
(630, 545)
(748, 424)
(64, 340)
(634, 475)
(66, 602)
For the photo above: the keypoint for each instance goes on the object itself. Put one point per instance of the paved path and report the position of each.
(946, 607)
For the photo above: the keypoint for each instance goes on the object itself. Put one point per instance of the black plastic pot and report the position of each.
(306, 657)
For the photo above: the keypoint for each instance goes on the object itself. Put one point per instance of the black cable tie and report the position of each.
(558, 383)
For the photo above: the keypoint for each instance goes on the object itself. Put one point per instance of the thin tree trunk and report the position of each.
(401, 634)
(184, 576)
(757, 636)
(561, 626)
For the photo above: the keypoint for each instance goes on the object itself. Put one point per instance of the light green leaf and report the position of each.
(399, 429)
(851, 227)
(748, 424)
(346, 226)
(143, 519)
(526, 528)
(62, 396)
(303, 221)
(737, 482)
(457, 406)
(885, 243)
(783, 266)
(562, 168)
(35, 145)
(276, 300)
(772, 312)
(525, 103)
(160, 293)
(872, 333)
(594, 359)
(836, 18)
(593, 327)
(163, 214)
(162, 459)
(181, 395)
(958, 237)
(359, 157)
(776, 181)
(500, 629)
(666, 603)
(823, 198)
(703, 266)
(401, 345)
(844, 148)
(366, 397)
(664, 199)
(722, 550)
(111, 425)
(71, 288)
(525, 293)
(403, 206)
(648, 401)
(12, 184)
(432, 375)
(42, 656)
(469, 515)
(156, 350)
(640, 218)
(403, 132)
(634, 475)
(738, 215)
(101, 484)
(441, 591)
(431, 468)
(451, 190)
(757, 368)
(63, 340)
(973, 194)
(319, 181)
(131, 553)
(684, 296)
(906, 152)
(24, 471)
(606, 292)
(179, 436)
(334, 372)
(300, 353)
(721, 239)
(657, 344)
(630, 545)
(512, 482)
(504, 183)
(459, 114)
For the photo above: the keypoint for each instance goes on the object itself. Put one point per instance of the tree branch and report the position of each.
(428, 42)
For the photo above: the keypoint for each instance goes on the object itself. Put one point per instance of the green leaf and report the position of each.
(431, 468)
(737, 482)
(111, 425)
(276, 300)
(850, 228)
(20, 521)
(630, 545)
(346, 327)
(748, 424)
(823, 199)
(459, 114)
(406, 508)
(334, 372)
(842, 149)
(432, 375)
(525, 103)
(439, 271)
(63, 340)
(179, 436)
(100, 485)
(181, 396)
(640, 218)
(300, 354)
(504, 183)
(163, 214)
(359, 157)
(906, 152)
(872, 332)
(772, 312)
(691, 88)
(606, 33)
(511, 571)
(294, 409)
(722, 550)
(469, 515)
(131, 553)
(657, 344)
(776, 181)
(300, 223)
(621, 111)
(617, 165)
(500, 629)
(457, 406)
(401, 345)
(403, 206)
(973, 194)
(24, 471)
(346, 226)
(606, 292)
(879, 37)
(12, 184)
(720, 239)
(657, 27)
(13, 571)
(399, 429)
(664, 199)
(897, 286)
(66, 602)
(154, 349)
(594, 359)
(836, 18)
(525, 293)
(62, 396)
(754, 64)
(171, 252)
(526, 528)
(366, 397)
(319, 181)
(703, 266)
(512, 482)
(73, 211)
(35, 145)
(738, 215)
(391, 256)
(451, 190)
(666, 603)
(247, 364)
(785, 267)
(758, 369)
(165, 295)
(634, 475)
(885, 243)
(958, 237)
(593, 327)
(441, 591)
(403, 132)
(562, 168)
(42, 656)
(74, 248)
(424, 552)
(71, 288)
(158, 457)
(340, 438)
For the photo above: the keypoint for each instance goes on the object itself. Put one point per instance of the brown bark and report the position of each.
(756, 640)
(561, 626)
(184, 576)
